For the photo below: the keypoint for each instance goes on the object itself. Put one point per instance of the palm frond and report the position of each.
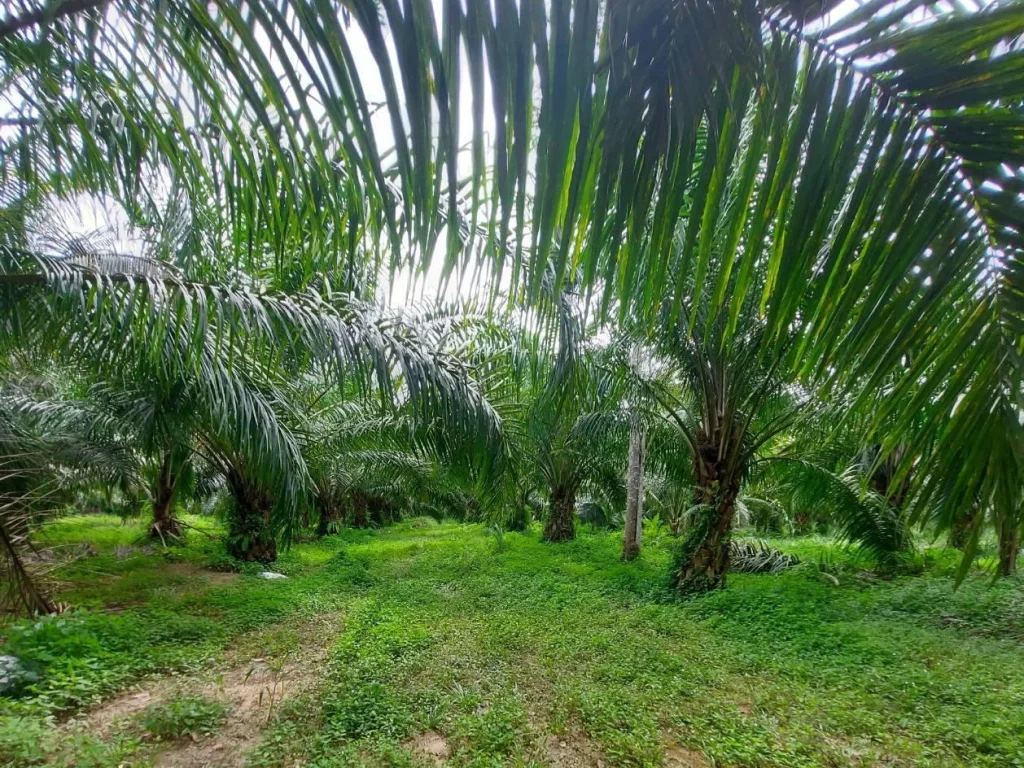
(863, 516)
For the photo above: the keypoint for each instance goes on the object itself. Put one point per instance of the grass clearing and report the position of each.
(444, 650)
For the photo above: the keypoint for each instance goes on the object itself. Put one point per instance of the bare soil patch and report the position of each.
(251, 693)
(430, 744)
(251, 688)
(101, 720)
(572, 748)
(681, 757)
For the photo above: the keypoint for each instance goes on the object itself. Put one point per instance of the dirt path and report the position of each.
(252, 688)
(251, 693)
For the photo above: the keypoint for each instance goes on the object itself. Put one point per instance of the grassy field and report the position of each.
(426, 644)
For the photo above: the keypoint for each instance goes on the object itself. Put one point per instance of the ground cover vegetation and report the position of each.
(737, 285)
(432, 645)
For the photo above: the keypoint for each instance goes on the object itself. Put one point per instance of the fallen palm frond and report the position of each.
(759, 557)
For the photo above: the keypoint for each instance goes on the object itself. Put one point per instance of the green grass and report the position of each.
(508, 655)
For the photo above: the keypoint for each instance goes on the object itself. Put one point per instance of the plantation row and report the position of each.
(730, 264)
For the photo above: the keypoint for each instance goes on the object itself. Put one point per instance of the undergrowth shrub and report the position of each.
(496, 732)
(24, 741)
(174, 628)
(222, 562)
(186, 716)
(66, 662)
(977, 607)
(628, 735)
(499, 537)
(78, 658)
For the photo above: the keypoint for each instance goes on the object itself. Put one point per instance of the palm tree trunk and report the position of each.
(561, 525)
(249, 535)
(165, 525)
(23, 590)
(330, 515)
(360, 505)
(521, 516)
(702, 560)
(634, 496)
(1009, 544)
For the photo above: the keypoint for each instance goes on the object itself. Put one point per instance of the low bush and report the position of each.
(193, 716)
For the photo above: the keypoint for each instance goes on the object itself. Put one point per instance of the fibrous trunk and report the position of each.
(702, 560)
(330, 515)
(250, 536)
(360, 510)
(634, 496)
(165, 525)
(1009, 544)
(561, 525)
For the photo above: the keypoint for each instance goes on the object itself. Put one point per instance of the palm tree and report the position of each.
(569, 410)
(732, 405)
(1009, 545)
(372, 461)
(161, 417)
(847, 497)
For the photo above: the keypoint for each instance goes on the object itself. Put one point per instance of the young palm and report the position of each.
(730, 405)
(573, 410)
(371, 462)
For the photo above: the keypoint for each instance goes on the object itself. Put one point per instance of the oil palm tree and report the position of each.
(823, 464)
(161, 417)
(372, 460)
(566, 399)
(624, 94)
(729, 404)
(372, 471)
